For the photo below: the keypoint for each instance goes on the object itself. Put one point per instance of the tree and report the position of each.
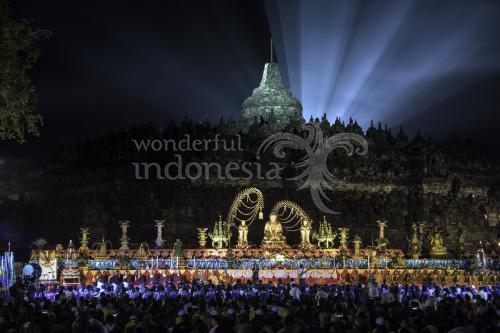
(18, 99)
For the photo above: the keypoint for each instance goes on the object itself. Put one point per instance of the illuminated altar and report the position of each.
(227, 260)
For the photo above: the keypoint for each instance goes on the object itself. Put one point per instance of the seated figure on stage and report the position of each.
(273, 234)
(438, 249)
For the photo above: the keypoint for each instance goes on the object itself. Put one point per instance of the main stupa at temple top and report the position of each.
(271, 103)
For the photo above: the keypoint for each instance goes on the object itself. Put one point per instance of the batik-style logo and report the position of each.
(313, 165)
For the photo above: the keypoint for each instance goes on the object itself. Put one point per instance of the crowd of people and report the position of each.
(244, 307)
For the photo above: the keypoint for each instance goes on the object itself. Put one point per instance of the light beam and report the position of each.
(382, 60)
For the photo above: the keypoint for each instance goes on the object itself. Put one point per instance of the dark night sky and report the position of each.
(114, 64)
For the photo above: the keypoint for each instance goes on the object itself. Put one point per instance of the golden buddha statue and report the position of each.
(273, 234)
(438, 250)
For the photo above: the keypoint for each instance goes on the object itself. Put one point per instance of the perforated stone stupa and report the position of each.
(271, 103)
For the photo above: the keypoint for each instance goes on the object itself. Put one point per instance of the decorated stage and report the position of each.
(324, 255)
(316, 266)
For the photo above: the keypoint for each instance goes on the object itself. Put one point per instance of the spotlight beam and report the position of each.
(374, 60)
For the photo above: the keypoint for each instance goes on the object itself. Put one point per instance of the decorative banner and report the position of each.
(109, 264)
(48, 263)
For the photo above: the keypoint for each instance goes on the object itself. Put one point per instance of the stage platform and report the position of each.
(323, 276)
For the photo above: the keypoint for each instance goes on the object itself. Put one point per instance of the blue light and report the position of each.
(382, 60)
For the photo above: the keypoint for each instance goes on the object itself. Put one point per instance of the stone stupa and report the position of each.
(271, 104)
